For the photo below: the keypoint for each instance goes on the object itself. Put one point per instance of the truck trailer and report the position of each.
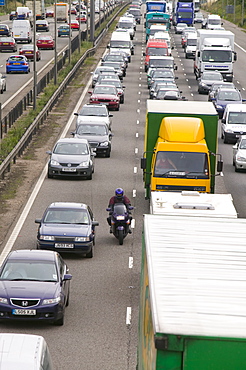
(185, 133)
(193, 293)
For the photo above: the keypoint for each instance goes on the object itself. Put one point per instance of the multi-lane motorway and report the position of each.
(100, 330)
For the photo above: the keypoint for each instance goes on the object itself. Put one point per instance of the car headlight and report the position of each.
(82, 239)
(52, 300)
(54, 163)
(84, 164)
(228, 130)
(105, 143)
(47, 237)
(203, 84)
(219, 106)
(3, 300)
(240, 158)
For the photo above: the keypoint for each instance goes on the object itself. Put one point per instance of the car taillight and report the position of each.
(8, 64)
(25, 64)
(11, 43)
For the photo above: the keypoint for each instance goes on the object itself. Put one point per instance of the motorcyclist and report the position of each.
(119, 197)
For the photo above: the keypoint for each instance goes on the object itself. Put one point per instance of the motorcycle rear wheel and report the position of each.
(121, 238)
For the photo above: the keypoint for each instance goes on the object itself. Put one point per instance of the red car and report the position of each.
(50, 14)
(28, 51)
(8, 43)
(105, 94)
(74, 25)
(73, 11)
(46, 42)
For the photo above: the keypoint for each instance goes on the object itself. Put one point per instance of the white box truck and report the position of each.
(215, 52)
(61, 12)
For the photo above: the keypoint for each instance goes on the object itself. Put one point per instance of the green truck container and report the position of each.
(180, 180)
(193, 294)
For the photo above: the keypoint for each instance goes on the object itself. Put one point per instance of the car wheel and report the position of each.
(60, 321)
(89, 177)
(236, 169)
(49, 175)
(118, 108)
(225, 140)
(233, 162)
(67, 301)
(1, 91)
(122, 100)
(186, 57)
(91, 253)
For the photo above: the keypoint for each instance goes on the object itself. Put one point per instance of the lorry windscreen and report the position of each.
(181, 164)
(187, 15)
(217, 56)
(157, 51)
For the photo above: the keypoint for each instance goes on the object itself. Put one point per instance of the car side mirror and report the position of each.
(90, 92)
(72, 133)
(144, 54)
(96, 223)
(67, 277)
(111, 115)
(38, 221)
(235, 56)
(49, 152)
(76, 114)
(235, 146)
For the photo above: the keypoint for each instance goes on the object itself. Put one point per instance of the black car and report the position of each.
(207, 79)
(4, 30)
(42, 25)
(67, 227)
(12, 15)
(98, 135)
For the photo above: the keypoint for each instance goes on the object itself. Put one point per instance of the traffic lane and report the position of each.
(119, 169)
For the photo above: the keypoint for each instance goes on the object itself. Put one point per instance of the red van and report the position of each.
(154, 47)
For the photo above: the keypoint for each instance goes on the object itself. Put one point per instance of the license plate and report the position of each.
(1, 30)
(63, 245)
(5, 43)
(16, 64)
(68, 169)
(24, 312)
(17, 35)
(28, 52)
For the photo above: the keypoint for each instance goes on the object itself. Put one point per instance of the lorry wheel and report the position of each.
(225, 140)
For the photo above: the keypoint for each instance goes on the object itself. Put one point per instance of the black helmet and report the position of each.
(119, 192)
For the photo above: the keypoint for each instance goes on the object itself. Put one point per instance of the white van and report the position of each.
(233, 122)
(121, 41)
(214, 22)
(21, 30)
(24, 352)
(190, 45)
(126, 23)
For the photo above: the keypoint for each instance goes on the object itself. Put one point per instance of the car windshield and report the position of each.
(45, 38)
(27, 47)
(181, 164)
(111, 82)
(165, 74)
(161, 63)
(120, 44)
(126, 25)
(191, 42)
(29, 270)
(211, 77)
(16, 58)
(102, 69)
(94, 111)
(71, 149)
(6, 39)
(98, 130)
(114, 58)
(66, 216)
(112, 64)
(242, 144)
(162, 92)
(107, 90)
(229, 95)
(237, 117)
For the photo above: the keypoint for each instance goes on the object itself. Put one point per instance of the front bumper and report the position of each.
(78, 247)
(43, 312)
(110, 105)
(66, 171)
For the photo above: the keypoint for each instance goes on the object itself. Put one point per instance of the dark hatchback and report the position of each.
(67, 227)
(98, 135)
(34, 285)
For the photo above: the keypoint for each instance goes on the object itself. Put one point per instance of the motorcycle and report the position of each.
(120, 221)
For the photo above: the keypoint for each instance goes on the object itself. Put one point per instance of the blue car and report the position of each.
(17, 63)
(67, 227)
(224, 96)
(34, 285)
(64, 30)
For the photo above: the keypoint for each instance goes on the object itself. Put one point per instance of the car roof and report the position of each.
(236, 107)
(72, 140)
(44, 255)
(95, 106)
(68, 204)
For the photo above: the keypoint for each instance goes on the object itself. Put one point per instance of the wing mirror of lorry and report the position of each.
(144, 54)
(235, 56)
(223, 120)
(219, 166)
(143, 163)
(198, 54)
(108, 46)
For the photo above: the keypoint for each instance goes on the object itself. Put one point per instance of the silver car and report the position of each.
(239, 154)
(94, 113)
(71, 157)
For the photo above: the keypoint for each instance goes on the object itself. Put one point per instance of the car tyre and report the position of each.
(122, 100)
(89, 177)
(118, 108)
(60, 321)
(91, 253)
(107, 155)
(236, 169)
(67, 301)
(49, 175)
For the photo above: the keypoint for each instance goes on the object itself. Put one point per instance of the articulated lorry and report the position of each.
(193, 292)
(215, 52)
(180, 146)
